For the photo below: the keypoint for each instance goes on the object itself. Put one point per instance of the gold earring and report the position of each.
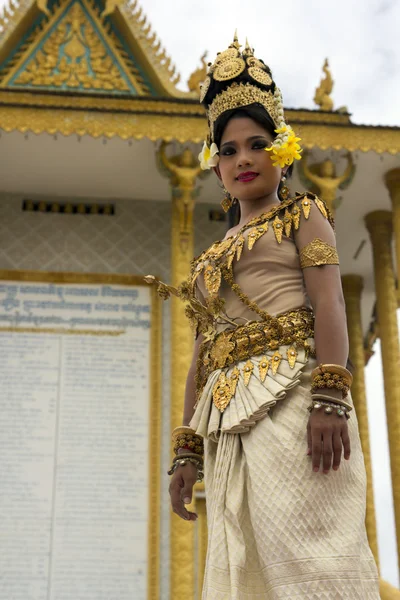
(228, 201)
(284, 192)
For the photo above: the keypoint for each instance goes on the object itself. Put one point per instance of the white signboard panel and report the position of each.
(74, 440)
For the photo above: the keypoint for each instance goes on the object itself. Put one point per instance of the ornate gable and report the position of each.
(89, 46)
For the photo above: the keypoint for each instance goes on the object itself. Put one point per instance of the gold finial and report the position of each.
(235, 42)
(198, 76)
(322, 94)
(248, 50)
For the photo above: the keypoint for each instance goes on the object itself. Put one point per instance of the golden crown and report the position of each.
(229, 65)
(257, 86)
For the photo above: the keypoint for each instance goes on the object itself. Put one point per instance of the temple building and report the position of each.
(100, 185)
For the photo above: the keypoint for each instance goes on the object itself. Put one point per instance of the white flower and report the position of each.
(208, 157)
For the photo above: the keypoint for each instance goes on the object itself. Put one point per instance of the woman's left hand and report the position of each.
(326, 435)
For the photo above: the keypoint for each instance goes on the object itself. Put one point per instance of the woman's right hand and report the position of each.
(181, 490)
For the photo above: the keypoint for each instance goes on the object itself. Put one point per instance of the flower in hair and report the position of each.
(285, 149)
(208, 157)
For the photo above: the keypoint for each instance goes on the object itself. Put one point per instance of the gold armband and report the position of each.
(318, 253)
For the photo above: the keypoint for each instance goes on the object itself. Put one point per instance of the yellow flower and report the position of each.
(208, 156)
(292, 144)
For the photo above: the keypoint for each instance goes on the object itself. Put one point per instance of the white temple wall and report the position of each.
(135, 241)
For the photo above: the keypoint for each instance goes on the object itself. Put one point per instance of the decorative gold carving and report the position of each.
(379, 225)
(182, 170)
(306, 207)
(155, 404)
(392, 180)
(291, 356)
(296, 216)
(263, 368)
(229, 69)
(277, 225)
(168, 120)
(255, 234)
(317, 253)
(212, 279)
(221, 351)
(321, 207)
(146, 39)
(111, 5)
(352, 289)
(260, 75)
(323, 176)
(73, 56)
(239, 247)
(247, 372)
(225, 55)
(234, 378)
(287, 222)
(241, 94)
(222, 392)
(276, 361)
(198, 81)
(204, 88)
(322, 94)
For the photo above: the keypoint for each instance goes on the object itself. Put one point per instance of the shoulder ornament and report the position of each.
(318, 253)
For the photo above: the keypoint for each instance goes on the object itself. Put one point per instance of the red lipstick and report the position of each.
(248, 176)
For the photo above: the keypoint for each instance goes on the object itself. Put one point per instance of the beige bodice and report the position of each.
(269, 274)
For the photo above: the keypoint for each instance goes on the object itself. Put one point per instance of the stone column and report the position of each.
(379, 225)
(182, 170)
(392, 179)
(352, 288)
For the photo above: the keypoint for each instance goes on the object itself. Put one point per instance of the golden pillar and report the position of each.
(392, 179)
(352, 288)
(182, 170)
(379, 225)
(202, 536)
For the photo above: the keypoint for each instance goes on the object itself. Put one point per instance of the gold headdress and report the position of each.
(248, 81)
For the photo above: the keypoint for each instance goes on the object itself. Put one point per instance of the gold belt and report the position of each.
(292, 328)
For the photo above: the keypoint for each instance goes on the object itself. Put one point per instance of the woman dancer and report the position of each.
(267, 395)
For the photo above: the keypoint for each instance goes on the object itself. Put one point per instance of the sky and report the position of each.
(360, 39)
(294, 37)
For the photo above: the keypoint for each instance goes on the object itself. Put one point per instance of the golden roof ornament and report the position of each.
(198, 76)
(322, 94)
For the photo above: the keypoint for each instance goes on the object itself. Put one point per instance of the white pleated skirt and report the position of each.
(277, 530)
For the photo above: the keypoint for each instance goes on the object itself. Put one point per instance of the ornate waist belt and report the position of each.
(292, 328)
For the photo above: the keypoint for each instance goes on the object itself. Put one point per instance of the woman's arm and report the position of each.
(326, 435)
(190, 390)
(184, 478)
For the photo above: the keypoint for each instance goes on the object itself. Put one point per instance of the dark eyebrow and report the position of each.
(250, 139)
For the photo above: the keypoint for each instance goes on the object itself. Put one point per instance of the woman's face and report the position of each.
(245, 167)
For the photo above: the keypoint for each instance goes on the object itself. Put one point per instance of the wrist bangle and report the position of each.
(181, 462)
(327, 398)
(329, 408)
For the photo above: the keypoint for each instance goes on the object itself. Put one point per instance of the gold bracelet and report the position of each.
(334, 370)
(185, 437)
(322, 382)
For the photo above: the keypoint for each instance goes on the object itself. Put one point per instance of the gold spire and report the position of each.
(323, 92)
